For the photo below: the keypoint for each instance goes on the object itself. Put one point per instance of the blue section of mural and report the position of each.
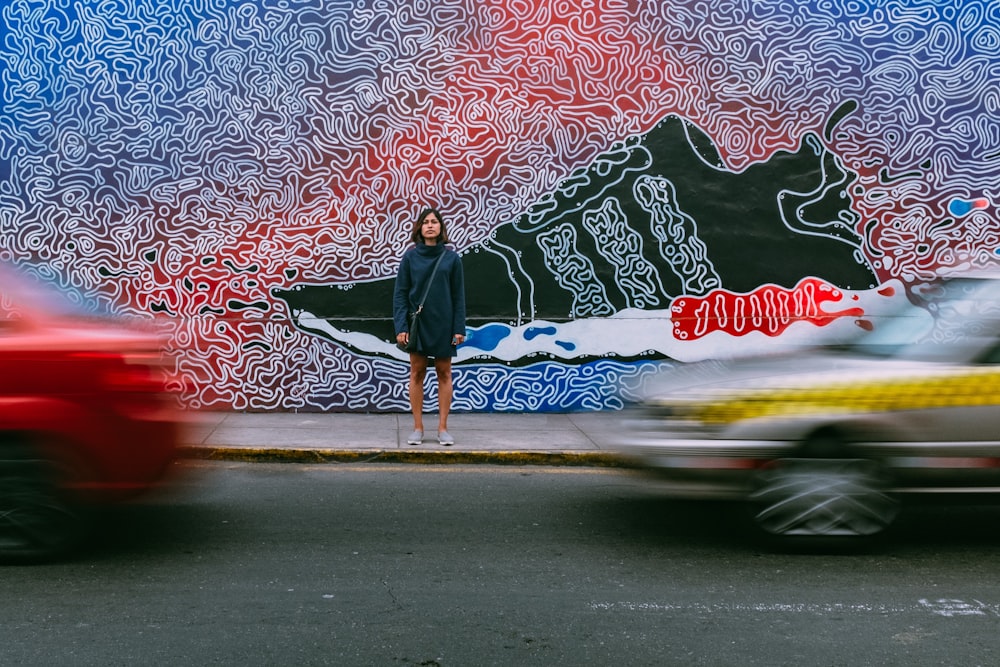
(550, 386)
(627, 183)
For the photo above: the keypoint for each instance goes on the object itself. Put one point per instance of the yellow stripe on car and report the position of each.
(966, 388)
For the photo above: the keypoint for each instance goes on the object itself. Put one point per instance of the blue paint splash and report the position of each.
(534, 332)
(488, 337)
(960, 207)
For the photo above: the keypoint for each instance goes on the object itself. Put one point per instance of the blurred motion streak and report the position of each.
(88, 416)
(823, 445)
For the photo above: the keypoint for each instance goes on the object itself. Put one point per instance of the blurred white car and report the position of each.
(824, 444)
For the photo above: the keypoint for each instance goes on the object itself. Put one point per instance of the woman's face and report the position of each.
(430, 229)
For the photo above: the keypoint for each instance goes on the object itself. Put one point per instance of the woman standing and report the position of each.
(442, 320)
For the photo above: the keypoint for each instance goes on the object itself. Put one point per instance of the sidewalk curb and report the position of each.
(424, 456)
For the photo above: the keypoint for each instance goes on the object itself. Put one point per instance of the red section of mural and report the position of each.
(769, 309)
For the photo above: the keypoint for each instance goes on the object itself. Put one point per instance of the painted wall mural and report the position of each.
(630, 183)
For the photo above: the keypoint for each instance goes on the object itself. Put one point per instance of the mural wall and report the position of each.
(630, 183)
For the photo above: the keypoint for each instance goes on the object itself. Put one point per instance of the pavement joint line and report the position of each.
(301, 455)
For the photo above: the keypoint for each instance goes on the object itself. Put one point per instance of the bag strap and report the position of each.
(427, 289)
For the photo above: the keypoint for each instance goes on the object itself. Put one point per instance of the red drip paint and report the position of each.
(769, 309)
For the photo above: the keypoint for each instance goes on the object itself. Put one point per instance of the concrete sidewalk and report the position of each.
(509, 438)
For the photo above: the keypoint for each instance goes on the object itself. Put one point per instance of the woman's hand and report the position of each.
(402, 338)
(458, 339)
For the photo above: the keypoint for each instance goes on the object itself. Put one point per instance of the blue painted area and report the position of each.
(603, 384)
(487, 337)
(959, 207)
(534, 332)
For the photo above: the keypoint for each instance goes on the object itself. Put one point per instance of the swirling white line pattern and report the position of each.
(621, 246)
(574, 272)
(182, 159)
(677, 234)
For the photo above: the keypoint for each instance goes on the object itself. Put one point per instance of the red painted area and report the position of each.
(769, 309)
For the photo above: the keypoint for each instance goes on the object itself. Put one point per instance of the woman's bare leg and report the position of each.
(442, 367)
(418, 371)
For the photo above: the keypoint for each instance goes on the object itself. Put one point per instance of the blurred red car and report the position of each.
(86, 417)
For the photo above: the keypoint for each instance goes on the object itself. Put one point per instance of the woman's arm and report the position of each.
(458, 299)
(401, 297)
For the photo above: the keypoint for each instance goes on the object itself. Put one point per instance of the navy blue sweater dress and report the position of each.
(444, 310)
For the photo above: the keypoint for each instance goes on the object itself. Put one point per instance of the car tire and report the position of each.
(822, 501)
(39, 518)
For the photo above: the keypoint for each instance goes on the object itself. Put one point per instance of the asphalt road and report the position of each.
(284, 564)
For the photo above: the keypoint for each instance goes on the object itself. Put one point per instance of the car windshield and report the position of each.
(964, 322)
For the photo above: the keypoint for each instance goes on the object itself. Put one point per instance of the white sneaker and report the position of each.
(445, 438)
(415, 438)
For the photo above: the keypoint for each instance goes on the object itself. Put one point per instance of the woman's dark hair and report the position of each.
(417, 237)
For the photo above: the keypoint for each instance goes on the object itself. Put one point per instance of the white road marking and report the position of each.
(949, 608)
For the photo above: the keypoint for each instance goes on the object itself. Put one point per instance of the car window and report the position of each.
(965, 325)
(991, 355)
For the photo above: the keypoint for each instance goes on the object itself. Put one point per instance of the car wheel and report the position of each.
(813, 499)
(38, 518)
